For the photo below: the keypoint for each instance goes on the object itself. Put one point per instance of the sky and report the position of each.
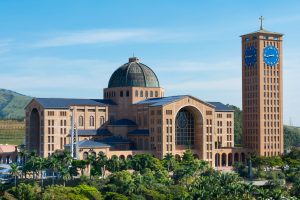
(61, 48)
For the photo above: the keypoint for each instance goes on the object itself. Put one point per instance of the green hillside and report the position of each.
(12, 104)
(291, 133)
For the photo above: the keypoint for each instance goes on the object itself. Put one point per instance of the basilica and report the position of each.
(135, 117)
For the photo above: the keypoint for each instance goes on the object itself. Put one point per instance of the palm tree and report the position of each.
(32, 161)
(91, 161)
(67, 158)
(14, 171)
(113, 164)
(169, 160)
(65, 174)
(54, 165)
(23, 154)
(40, 165)
(102, 161)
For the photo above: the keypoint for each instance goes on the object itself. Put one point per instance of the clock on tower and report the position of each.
(262, 91)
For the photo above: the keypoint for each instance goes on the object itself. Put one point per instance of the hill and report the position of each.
(291, 133)
(12, 104)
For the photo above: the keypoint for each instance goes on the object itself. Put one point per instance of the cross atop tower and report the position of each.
(261, 22)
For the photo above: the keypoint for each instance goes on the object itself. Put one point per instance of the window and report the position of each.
(185, 128)
(136, 93)
(101, 120)
(121, 93)
(141, 93)
(80, 121)
(151, 93)
(127, 93)
(156, 93)
(208, 112)
(92, 121)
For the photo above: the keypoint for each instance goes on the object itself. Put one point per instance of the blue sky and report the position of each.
(70, 48)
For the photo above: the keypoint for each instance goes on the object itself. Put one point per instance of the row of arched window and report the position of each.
(91, 121)
(137, 93)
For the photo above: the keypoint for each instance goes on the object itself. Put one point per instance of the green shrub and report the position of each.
(115, 196)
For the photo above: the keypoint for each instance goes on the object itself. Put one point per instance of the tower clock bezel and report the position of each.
(271, 55)
(250, 56)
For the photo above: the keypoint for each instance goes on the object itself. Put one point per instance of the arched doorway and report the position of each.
(189, 129)
(217, 160)
(34, 131)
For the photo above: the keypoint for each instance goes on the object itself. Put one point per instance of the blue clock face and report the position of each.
(250, 56)
(271, 55)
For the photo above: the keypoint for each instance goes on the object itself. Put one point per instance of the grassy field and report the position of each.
(12, 132)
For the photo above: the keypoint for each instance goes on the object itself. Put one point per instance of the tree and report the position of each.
(54, 165)
(65, 174)
(14, 171)
(121, 182)
(113, 164)
(101, 162)
(26, 192)
(169, 161)
(41, 165)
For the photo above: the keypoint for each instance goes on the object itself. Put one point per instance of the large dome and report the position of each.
(133, 74)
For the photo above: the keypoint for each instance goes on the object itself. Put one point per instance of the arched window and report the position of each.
(146, 94)
(136, 93)
(80, 121)
(94, 154)
(92, 121)
(151, 93)
(185, 128)
(85, 155)
(156, 93)
(141, 93)
(101, 120)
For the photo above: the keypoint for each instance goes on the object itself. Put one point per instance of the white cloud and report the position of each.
(106, 35)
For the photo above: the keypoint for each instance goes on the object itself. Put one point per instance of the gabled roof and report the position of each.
(139, 132)
(62, 103)
(161, 101)
(220, 107)
(167, 100)
(94, 132)
(123, 122)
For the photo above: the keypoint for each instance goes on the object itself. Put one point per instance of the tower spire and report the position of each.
(261, 22)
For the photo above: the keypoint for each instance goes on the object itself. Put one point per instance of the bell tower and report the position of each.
(262, 91)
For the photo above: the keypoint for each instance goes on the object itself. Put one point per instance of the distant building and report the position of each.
(8, 153)
(135, 117)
